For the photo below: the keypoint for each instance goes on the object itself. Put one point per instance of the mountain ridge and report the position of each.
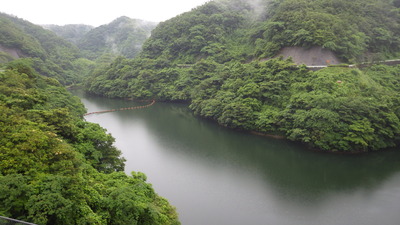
(70, 32)
(123, 36)
(223, 44)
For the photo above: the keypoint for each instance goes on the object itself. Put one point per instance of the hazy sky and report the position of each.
(95, 12)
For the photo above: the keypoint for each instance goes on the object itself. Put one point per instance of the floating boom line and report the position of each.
(122, 109)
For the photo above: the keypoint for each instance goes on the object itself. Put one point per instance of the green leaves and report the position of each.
(209, 57)
(56, 168)
(360, 133)
(348, 28)
(98, 149)
(50, 55)
(335, 109)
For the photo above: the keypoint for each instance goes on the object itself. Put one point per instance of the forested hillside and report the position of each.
(357, 30)
(354, 30)
(51, 55)
(123, 36)
(55, 168)
(216, 30)
(212, 57)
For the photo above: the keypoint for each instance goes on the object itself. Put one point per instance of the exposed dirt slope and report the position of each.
(15, 53)
(314, 56)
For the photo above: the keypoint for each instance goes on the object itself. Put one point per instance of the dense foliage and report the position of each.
(56, 168)
(353, 29)
(335, 109)
(358, 30)
(208, 57)
(210, 30)
(51, 55)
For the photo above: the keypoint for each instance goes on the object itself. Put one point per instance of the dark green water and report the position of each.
(217, 176)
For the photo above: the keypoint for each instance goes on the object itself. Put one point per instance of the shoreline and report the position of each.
(275, 136)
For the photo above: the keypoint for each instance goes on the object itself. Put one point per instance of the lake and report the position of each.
(217, 176)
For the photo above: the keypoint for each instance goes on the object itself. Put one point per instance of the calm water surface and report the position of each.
(217, 176)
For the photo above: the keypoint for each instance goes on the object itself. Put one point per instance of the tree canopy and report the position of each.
(213, 57)
(56, 168)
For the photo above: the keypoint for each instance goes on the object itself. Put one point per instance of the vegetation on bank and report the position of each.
(56, 168)
(335, 109)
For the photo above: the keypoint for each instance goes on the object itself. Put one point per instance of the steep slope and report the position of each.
(216, 29)
(56, 168)
(50, 55)
(211, 57)
(123, 36)
(352, 29)
(359, 30)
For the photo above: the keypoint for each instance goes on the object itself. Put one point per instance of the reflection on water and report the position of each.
(214, 175)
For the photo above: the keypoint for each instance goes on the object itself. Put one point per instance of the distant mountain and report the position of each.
(60, 51)
(123, 36)
(71, 32)
(50, 55)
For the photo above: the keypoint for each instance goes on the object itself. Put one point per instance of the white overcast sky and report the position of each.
(95, 12)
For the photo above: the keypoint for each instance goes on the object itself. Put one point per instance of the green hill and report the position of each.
(123, 36)
(354, 30)
(56, 168)
(50, 55)
(213, 57)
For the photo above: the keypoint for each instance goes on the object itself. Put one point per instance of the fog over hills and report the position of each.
(123, 36)
(70, 32)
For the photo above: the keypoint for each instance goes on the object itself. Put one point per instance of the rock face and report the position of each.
(314, 56)
(15, 53)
